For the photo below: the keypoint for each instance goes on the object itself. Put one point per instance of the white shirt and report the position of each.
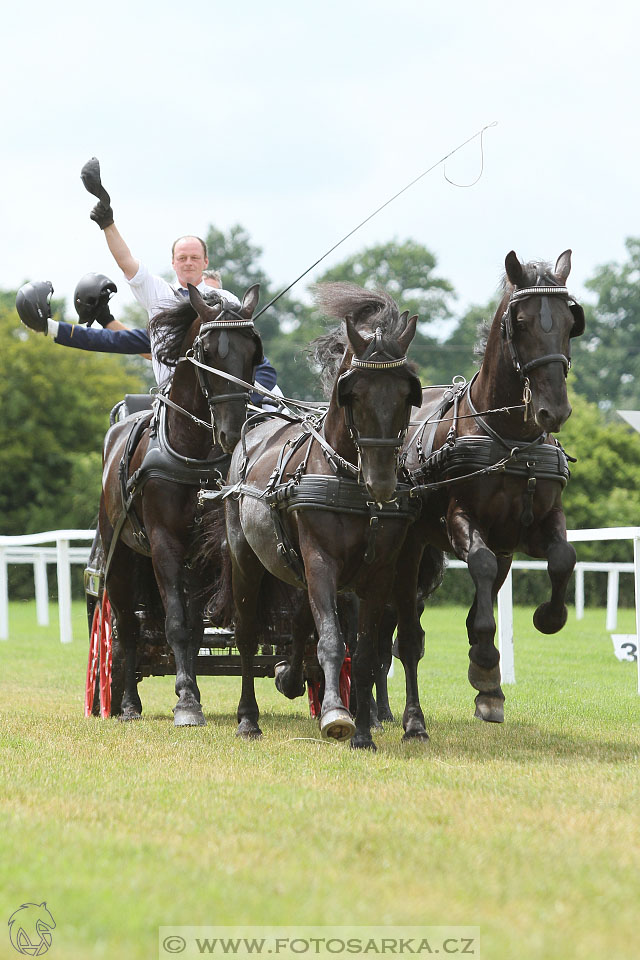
(156, 294)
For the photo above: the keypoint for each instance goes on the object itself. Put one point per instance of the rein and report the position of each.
(257, 387)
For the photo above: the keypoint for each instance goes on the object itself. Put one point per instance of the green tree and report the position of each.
(458, 352)
(55, 403)
(607, 356)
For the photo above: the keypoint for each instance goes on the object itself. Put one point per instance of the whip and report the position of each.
(479, 133)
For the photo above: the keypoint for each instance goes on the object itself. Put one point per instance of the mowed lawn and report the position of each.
(530, 829)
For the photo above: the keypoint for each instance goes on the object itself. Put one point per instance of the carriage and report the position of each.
(218, 656)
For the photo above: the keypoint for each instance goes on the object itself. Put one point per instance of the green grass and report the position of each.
(528, 829)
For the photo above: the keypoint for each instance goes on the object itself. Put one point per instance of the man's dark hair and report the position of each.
(190, 236)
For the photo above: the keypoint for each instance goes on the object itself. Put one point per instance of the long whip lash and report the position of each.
(385, 204)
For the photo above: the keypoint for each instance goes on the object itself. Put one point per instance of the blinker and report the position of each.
(546, 320)
(223, 345)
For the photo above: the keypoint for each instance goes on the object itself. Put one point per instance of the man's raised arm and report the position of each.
(102, 214)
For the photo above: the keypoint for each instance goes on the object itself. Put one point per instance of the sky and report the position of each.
(298, 119)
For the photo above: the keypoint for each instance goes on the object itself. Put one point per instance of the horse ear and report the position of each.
(408, 333)
(204, 310)
(356, 340)
(515, 273)
(250, 301)
(404, 316)
(563, 266)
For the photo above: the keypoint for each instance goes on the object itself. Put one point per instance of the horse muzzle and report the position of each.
(552, 420)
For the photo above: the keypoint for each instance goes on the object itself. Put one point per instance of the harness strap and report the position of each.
(126, 494)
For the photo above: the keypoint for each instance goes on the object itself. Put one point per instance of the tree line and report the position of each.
(55, 401)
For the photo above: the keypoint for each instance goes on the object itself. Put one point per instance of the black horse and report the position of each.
(157, 468)
(491, 475)
(319, 505)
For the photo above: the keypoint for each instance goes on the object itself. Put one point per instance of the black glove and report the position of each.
(102, 214)
(101, 313)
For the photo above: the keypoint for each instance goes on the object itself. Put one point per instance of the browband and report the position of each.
(377, 364)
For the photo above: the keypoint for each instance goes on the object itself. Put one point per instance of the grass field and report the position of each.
(529, 830)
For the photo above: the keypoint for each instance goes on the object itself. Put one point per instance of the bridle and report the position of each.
(196, 355)
(374, 359)
(546, 322)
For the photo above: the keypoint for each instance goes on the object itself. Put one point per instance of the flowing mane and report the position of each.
(171, 325)
(369, 309)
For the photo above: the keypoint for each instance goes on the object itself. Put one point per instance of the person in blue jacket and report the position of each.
(91, 300)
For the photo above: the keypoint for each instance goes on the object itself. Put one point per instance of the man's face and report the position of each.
(189, 261)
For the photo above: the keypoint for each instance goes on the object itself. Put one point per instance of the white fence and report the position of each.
(30, 549)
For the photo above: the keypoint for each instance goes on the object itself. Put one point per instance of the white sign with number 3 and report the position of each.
(625, 646)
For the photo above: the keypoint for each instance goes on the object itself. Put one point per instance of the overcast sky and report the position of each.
(298, 119)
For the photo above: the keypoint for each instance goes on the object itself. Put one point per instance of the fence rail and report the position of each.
(31, 548)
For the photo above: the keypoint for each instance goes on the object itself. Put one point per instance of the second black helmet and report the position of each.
(92, 291)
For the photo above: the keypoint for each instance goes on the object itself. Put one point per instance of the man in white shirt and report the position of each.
(189, 259)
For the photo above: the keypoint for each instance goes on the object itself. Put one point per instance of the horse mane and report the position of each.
(170, 327)
(369, 310)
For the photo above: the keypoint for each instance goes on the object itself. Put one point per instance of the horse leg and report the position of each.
(169, 568)
(247, 573)
(366, 659)
(385, 647)
(321, 572)
(127, 630)
(195, 620)
(487, 572)
(410, 639)
(551, 616)
(289, 677)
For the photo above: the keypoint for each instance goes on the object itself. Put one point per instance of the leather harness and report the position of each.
(161, 462)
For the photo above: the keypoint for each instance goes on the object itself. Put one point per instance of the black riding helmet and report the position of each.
(32, 304)
(92, 292)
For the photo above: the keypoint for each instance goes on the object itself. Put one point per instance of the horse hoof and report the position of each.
(337, 724)
(377, 726)
(278, 671)
(385, 716)
(248, 730)
(490, 709)
(361, 742)
(281, 675)
(415, 736)
(188, 716)
(545, 622)
(130, 713)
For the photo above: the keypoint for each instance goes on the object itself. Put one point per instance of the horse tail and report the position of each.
(431, 572)
(213, 558)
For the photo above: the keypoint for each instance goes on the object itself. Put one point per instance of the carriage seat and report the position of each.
(133, 405)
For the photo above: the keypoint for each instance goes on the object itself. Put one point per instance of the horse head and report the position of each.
(226, 342)
(538, 317)
(377, 389)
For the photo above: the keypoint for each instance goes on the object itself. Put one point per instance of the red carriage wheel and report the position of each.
(94, 662)
(106, 656)
(345, 681)
(315, 701)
